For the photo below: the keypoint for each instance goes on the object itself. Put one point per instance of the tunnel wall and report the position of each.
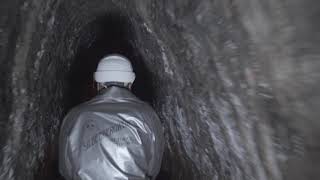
(235, 83)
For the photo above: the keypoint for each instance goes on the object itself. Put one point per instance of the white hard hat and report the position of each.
(114, 68)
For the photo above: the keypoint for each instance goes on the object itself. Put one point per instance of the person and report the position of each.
(114, 136)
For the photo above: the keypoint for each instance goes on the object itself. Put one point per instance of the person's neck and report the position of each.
(104, 89)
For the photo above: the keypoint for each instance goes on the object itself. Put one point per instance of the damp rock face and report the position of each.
(236, 83)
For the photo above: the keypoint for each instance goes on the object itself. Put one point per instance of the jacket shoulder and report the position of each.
(73, 114)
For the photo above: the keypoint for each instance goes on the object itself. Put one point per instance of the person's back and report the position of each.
(113, 136)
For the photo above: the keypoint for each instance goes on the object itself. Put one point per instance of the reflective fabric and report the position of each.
(114, 136)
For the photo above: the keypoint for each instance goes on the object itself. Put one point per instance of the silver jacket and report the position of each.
(114, 136)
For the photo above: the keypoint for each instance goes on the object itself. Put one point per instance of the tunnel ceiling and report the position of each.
(236, 83)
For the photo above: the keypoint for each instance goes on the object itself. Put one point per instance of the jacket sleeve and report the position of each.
(157, 132)
(65, 166)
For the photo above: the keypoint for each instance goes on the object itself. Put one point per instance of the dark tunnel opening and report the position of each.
(109, 34)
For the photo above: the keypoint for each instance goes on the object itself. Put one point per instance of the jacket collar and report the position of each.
(115, 92)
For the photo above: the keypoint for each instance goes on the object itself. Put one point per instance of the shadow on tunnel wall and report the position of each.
(108, 34)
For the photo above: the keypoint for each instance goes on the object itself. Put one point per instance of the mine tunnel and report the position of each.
(235, 83)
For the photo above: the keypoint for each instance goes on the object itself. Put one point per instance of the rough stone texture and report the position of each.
(235, 82)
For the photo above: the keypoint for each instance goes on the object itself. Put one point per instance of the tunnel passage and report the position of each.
(108, 34)
(236, 81)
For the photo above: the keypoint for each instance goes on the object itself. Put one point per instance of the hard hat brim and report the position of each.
(114, 76)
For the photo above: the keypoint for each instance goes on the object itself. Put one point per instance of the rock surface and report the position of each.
(236, 83)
